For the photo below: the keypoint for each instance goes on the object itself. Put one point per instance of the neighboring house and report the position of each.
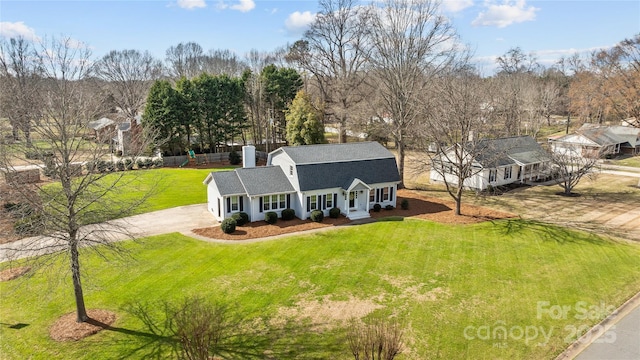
(103, 129)
(127, 137)
(352, 177)
(497, 162)
(595, 141)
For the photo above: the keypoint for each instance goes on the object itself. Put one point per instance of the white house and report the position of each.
(352, 177)
(594, 141)
(496, 162)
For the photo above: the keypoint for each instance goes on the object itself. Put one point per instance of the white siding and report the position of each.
(212, 201)
(391, 201)
(304, 214)
(287, 165)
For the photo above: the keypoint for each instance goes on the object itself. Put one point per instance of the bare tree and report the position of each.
(334, 52)
(380, 340)
(515, 78)
(566, 67)
(185, 60)
(457, 116)
(218, 62)
(127, 76)
(570, 165)
(619, 68)
(69, 213)
(412, 43)
(20, 77)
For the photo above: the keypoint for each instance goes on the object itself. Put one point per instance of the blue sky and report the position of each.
(549, 28)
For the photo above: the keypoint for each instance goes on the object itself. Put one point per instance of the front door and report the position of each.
(353, 199)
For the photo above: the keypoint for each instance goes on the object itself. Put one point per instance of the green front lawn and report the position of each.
(166, 188)
(448, 284)
(176, 187)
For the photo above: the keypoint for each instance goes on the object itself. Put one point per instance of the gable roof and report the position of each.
(610, 135)
(341, 174)
(263, 180)
(100, 123)
(256, 181)
(520, 150)
(330, 153)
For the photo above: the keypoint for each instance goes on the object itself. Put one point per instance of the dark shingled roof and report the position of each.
(342, 174)
(228, 183)
(263, 180)
(509, 151)
(314, 154)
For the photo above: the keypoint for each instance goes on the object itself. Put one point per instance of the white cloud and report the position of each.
(241, 5)
(297, 22)
(244, 5)
(509, 12)
(456, 5)
(192, 4)
(17, 29)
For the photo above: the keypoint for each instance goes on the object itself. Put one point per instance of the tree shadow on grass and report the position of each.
(153, 341)
(548, 232)
(286, 341)
(241, 338)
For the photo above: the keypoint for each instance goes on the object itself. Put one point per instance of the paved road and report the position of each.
(180, 219)
(621, 342)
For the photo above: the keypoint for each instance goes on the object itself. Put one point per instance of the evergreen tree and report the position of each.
(303, 122)
(162, 113)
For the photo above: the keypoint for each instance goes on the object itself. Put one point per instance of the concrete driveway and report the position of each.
(180, 219)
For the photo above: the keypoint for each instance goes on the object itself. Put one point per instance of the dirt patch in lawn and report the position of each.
(68, 329)
(325, 314)
(420, 206)
(13, 273)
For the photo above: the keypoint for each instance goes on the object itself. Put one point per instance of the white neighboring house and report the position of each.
(498, 162)
(352, 177)
(595, 141)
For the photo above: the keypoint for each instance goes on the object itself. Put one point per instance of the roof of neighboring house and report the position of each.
(263, 180)
(342, 174)
(256, 181)
(125, 126)
(100, 123)
(618, 134)
(519, 150)
(601, 135)
(325, 153)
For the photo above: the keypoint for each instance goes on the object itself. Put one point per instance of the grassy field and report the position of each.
(446, 284)
(175, 187)
(633, 161)
(168, 187)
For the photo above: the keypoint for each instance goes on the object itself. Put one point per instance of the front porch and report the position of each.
(356, 200)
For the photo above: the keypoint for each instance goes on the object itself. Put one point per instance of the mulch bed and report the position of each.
(420, 206)
(68, 329)
(260, 229)
(440, 210)
(13, 273)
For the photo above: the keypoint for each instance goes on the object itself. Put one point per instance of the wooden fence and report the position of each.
(210, 158)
